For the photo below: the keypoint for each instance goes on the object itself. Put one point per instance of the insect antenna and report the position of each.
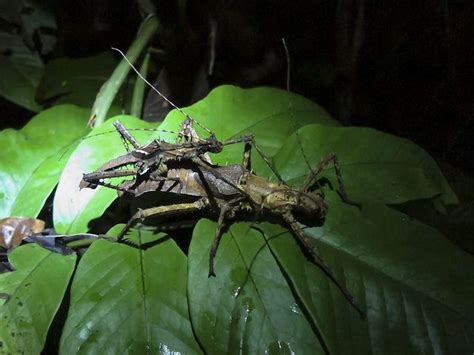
(292, 116)
(79, 140)
(160, 93)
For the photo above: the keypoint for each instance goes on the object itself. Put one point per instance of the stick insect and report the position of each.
(226, 193)
(189, 146)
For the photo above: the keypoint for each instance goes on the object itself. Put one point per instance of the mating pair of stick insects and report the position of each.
(226, 193)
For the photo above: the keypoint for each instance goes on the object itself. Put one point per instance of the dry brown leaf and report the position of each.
(14, 229)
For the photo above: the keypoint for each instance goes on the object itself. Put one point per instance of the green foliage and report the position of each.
(413, 283)
(128, 299)
(375, 165)
(32, 295)
(32, 158)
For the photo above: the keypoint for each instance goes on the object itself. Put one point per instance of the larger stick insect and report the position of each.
(226, 193)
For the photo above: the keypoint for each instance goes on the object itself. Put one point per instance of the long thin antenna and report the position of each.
(290, 106)
(158, 91)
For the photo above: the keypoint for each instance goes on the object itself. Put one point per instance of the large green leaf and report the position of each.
(248, 307)
(32, 294)
(230, 112)
(416, 286)
(31, 162)
(374, 165)
(258, 296)
(125, 300)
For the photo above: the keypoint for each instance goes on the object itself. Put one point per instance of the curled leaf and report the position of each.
(14, 229)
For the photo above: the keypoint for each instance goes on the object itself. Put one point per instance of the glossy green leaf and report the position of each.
(415, 285)
(125, 300)
(409, 310)
(248, 307)
(31, 297)
(74, 208)
(230, 112)
(374, 165)
(31, 162)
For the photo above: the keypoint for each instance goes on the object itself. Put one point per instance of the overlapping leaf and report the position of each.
(374, 165)
(378, 253)
(129, 300)
(248, 307)
(230, 112)
(31, 296)
(31, 162)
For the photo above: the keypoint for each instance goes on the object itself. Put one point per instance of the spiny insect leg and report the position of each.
(91, 180)
(127, 138)
(249, 140)
(268, 162)
(217, 239)
(109, 174)
(288, 217)
(169, 210)
(331, 157)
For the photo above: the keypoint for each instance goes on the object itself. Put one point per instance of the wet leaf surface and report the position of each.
(31, 296)
(129, 300)
(31, 160)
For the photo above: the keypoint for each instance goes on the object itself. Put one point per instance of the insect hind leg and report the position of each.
(323, 163)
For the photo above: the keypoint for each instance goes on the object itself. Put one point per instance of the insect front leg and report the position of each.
(127, 138)
(92, 180)
(246, 162)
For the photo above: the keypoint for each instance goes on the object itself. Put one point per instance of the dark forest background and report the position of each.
(402, 67)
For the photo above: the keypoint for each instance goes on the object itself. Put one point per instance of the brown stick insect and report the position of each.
(226, 193)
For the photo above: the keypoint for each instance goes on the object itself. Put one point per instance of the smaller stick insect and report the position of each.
(156, 154)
